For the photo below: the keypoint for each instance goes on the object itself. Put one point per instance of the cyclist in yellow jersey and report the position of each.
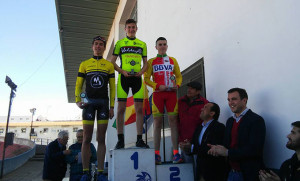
(97, 73)
(132, 52)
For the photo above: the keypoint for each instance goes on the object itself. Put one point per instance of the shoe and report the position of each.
(86, 177)
(140, 143)
(157, 159)
(102, 177)
(177, 158)
(119, 145)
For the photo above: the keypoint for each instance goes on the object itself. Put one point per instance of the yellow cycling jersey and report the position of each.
(131, 52)
(97, 73)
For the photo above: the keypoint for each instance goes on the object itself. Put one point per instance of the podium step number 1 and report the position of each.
(132, 165)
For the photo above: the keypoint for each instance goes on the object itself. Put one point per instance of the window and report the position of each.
(27, 118)
(23, 130)
(1, 130)
(75, 129)
(21, 118)
(46, 130)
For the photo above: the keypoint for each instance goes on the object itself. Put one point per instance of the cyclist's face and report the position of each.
(161, 47)
(98, 47)
(131, 30)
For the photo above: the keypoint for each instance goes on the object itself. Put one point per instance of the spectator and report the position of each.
(208, 167)
(74, 159)
(244, 139)
(189, 109)
(55, 166)
(290, 169)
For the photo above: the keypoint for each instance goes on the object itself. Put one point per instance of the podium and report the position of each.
(175, 172)
(136, 164)
(132, 164)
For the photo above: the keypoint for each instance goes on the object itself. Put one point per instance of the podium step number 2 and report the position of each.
(132, 165)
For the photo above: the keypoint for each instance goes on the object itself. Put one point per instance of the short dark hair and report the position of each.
(215, 108)
(160, 38)
(242, 92)
(296, 124)
(130, 21)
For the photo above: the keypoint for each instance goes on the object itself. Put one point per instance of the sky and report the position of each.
(30, 54)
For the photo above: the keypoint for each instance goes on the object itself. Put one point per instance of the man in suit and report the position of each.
(244, 139)
(55, 166)
(209, 168)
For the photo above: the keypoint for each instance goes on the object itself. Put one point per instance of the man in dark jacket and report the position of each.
(290, 169)
(74, 159)
(209, 168)
(243, 140)
(55, 166)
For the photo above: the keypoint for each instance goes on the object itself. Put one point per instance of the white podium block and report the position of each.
(132, 164)
(175, 172)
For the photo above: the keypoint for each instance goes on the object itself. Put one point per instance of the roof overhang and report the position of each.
(78, 22)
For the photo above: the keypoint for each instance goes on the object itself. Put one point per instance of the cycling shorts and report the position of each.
(99, 106)
(167, 99)
(136, 85)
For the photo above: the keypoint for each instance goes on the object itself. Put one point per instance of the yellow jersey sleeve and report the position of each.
(148, 74)
(79, 82)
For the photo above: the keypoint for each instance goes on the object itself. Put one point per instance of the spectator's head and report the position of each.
(161, 45)
(63, 137)
(294, 137)
(130, 28)
(237, 100)
(210, 111)
(194, 89)
(98, 46)
(79, 135)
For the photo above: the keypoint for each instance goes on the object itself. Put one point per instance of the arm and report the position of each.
(116, 66)
(71, 158)
(145, 66)
(112, 91)
(79, 83)
(53, 153)
(148, 74)
(177, 73)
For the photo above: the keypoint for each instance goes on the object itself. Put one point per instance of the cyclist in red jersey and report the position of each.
(166, 78)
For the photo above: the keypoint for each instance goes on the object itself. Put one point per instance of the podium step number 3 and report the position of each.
(132, 165)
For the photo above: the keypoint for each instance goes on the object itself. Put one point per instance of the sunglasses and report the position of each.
(99, 38)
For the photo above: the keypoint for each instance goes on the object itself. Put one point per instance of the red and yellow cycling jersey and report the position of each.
(164, 71)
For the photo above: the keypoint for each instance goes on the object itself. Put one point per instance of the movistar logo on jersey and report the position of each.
(163, 68)
(97, 81)
(136, 50)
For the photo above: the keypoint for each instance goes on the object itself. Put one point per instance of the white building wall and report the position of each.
(249, 44)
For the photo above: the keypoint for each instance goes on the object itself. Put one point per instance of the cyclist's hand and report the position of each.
(162, 88)
(81, 105)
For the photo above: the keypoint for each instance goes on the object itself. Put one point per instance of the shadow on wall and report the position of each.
(275, 151)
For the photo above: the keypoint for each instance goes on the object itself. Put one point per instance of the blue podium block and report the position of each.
(132, 164)
(175, 172)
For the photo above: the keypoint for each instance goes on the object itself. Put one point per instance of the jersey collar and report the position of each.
(131, 38)
(158, 55)
(97, 57)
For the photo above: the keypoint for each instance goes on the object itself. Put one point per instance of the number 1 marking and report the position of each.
(135, 158)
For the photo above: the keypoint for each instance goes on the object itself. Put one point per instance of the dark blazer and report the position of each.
(209, 167)
(55, 166)
(251, 139)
